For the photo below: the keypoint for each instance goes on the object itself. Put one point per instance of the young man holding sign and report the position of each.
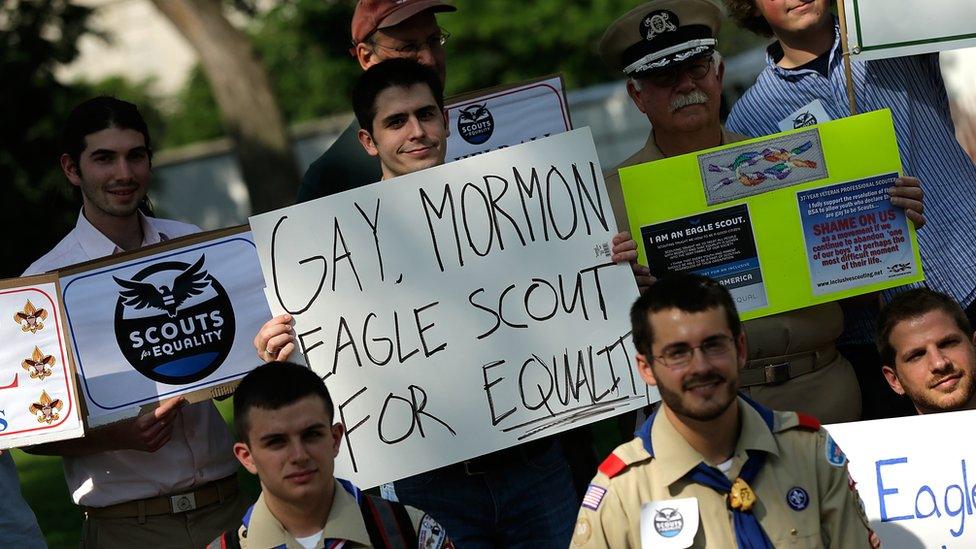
(283, 416)
(928, 350)
(521, 495)
(129, 477)
(711, 468)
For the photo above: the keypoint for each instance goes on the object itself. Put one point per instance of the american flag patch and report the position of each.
(593, 497)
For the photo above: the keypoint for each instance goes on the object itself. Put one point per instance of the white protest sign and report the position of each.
(916, 476)
(173, 319)
(38, 397)
(492, 119)
(462, 309)
(895, 28)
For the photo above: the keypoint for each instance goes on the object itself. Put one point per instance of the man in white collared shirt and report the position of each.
(167, 477)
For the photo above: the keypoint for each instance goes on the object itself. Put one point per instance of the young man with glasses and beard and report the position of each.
(710, 467)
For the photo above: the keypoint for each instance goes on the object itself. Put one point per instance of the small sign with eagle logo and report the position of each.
(172, 319)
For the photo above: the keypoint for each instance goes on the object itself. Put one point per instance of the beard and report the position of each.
(929, 401)
(688, 405)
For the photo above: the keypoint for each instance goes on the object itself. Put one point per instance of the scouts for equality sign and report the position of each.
(172, 319)
(877, 29)
(500, 117)
(916, 476)
(38, 397)
(461, 309)
(783, 222)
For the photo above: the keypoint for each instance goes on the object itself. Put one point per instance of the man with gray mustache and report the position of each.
(666, 48)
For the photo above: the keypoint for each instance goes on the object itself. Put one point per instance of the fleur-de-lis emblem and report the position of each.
(46, 408)
(31, 318)
(38, 365)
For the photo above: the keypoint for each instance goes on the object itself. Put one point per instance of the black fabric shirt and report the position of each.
(344, 166)
(821, 64)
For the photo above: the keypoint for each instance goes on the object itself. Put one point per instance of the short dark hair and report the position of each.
(275, 385)
(399, 72)
(687, 292)
(745, 14)
(913, 304)
(97, 114)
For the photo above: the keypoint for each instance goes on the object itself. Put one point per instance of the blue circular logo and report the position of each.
(668, 522)
(475, 124)
(797, 498)
(174, 322)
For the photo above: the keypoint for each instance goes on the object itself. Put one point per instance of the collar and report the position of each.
(675, 457)
(97, 245)
(774, 52)
(345, 522)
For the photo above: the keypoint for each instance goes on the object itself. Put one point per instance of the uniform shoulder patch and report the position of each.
(430, 534)
(785, 421)
(612, 466)
(808, 422)
(835, 456)
(593, 497)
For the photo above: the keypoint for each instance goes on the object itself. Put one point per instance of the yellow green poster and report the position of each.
(785, 221)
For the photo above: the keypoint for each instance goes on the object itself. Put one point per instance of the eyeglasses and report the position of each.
(668, 77)
(678, 357)
(413, 49)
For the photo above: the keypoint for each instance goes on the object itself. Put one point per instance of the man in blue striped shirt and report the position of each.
(805, 76)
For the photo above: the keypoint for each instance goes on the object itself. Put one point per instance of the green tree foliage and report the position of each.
(507, 41)
(304, 44)
(38, 206)
(196, 117)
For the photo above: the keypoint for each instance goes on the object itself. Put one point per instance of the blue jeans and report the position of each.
(525, 501)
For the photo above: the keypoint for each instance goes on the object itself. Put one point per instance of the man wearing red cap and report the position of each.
(381, 29)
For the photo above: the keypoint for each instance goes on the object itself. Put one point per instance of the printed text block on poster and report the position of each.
(821, 226)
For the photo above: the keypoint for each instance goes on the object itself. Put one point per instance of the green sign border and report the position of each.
(863, 48)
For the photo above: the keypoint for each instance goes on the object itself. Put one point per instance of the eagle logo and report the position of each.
(476, 124)
(174, 322)
(474, 113)
(657, 23)
(31, 319)
(38, 365)
(46, 409)
(191, 282)
(668, 522)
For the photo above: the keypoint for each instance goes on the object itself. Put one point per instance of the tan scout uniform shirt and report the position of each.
(794, 335)
(796, 457)
(345, 522)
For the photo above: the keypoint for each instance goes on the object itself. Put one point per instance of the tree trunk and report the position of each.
(247, 104)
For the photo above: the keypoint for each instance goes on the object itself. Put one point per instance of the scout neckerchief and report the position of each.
(748, 532)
